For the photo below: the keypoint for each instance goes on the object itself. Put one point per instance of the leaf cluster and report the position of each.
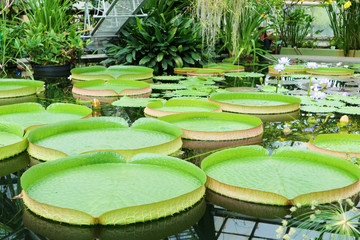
(162, 41)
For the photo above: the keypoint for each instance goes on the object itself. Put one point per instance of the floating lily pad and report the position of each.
(351, 100)
(168, 86)
(227, 67)
(206, 72)
(151, 230)
(340, 145)
(117, 72)
(13, 88)
(318, 109)
(12, 140)
(159, 109)
(216, 129)
(102, 188)
(112, 88)
(184, 70)
(14, 164)
(166, 79)
(290, 69)
(203, 92)
(256, 103)
(244, 74)
(134, 102)
(30, 115)
(349, 110)
(331, 71)
(104, 133)
(272, 89)
(288, 177)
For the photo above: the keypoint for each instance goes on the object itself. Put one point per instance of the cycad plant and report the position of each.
(166, 39)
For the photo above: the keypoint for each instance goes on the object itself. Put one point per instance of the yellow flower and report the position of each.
(347, 4)
(329, 2)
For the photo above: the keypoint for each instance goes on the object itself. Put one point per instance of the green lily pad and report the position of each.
(255, 103)
(170, 79)
(12, 140)
(227, 67)
(159, 109)
(30, 115)
(349, 110)
(134, 102)
(340, 145)
(288, 177)
(12, 88)
(111, 88)
(168, 86)
(102, 188)
(216, 129)
(184, 70)
(331, 71)
(290, 69)
(244, 74)
(206, 72)
(272, 89)
(103, 133)
(151, 230)
(351, 100)
(117, 72)
(318, 109)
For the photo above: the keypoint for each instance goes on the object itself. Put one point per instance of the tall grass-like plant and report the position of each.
(344, 21)
(237, 22)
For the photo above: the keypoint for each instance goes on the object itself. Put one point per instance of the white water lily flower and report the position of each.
(318, 95)
(284, 61)
(279, 68)
(312, 65)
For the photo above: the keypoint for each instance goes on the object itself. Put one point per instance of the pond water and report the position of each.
(217, 223)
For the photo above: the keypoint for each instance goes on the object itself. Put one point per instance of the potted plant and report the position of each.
(51, 40)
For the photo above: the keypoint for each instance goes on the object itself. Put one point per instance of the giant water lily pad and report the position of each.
(227, 67)
(206, 72)
(151, 230)
(290, 69)
(216, 129)
(105, 133)
(331, 71)
(12, 140)
(288, 177)
(111, 88)
(134, 102)
(12, 88)
(257, 104)
(117, 72)
(102, 188)
(340, 145)
(31, 115)
(159, 109)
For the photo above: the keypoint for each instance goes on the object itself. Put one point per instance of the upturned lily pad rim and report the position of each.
(312, 144)
(118, 216)
(54, 107)
(116, 72)
(26, 88)
(47, 154)
(10, 150)
(154, 109)
(331, 71)
(139, 88)
(291, 103)
(251, 133)
(265, 197)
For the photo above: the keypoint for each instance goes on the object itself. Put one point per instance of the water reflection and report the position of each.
(157, 229)
(13, 164)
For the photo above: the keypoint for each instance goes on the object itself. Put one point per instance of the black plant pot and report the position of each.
(41, 71)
